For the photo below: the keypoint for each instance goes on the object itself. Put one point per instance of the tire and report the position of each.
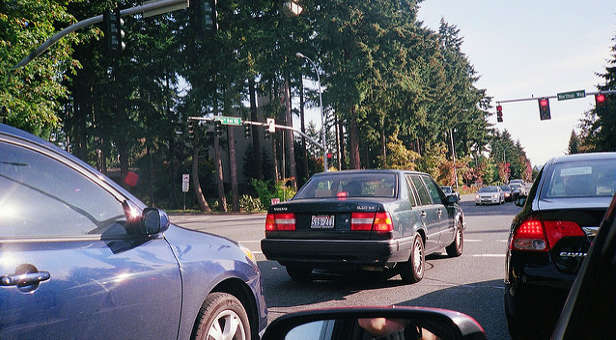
(219, 313)
(412, 271)
(456, 247)
(299, 273)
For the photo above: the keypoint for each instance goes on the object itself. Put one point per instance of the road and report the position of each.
(472, 283)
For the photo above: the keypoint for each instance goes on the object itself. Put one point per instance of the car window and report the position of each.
(422, 192)
(580, 179)
(433, 190)
(350, 185)
(412, 192)
(42, 197)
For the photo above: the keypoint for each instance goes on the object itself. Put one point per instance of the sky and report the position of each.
(533, 48)
(526, 48)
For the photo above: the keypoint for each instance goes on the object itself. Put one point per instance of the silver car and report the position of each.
(490, 195)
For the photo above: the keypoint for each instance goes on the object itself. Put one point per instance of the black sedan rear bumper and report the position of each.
(337, 252)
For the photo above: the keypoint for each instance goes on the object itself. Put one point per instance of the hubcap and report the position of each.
(226, 326)
(459, 238)
(417, 258)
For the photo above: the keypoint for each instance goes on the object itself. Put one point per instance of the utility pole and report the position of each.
(453, 152)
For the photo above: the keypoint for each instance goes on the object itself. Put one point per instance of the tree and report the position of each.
(574, 142)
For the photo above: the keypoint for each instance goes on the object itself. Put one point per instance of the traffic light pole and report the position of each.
(548, 97)
(284, 127)
(169, 5)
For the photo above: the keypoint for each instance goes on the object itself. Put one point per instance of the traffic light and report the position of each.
(247, 130)
(600, 99)
(271, 125)
(544, 108)
(329, 156)
(218, 126)
(204, 15)
(114, 33)
(499, 113)
(191, 128)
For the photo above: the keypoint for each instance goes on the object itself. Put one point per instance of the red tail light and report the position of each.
(535, 235)
(383, 223)
(277, 221)
(362, 221)
(379, 222)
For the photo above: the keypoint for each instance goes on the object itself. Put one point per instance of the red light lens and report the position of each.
(600, 98)
(556, 230)
(543, 102)
(362, 221)
(270, 224)
(499, 108)
(383, 223)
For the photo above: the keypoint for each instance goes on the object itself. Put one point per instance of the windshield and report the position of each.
(489, 189)
(505, 188)
(595, 178)
(350, 185)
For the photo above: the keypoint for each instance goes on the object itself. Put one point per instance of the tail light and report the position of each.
(379, 222)
(362, 221)
(536, 235)
(280, 221)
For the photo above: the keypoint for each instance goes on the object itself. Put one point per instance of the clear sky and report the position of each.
(523, 48)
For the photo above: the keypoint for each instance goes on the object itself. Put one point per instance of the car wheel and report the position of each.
(412, 271)
(457, 246)
(299, 273)
(222, 316)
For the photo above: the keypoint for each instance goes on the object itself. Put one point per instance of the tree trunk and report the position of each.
(338, 141)
(150, 174)
(354, 141)
(195, 175)
(123, 151)
(222, 200)
(342, 141)
(256, 130)
(383, 144)
(233, 169)
(289, 134)
(303, 128)
(275, 158)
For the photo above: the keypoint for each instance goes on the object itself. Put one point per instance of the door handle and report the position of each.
(24, 279)
(423, 213)
(440, 212)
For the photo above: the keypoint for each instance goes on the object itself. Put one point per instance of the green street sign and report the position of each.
(224, 120)
(572, 95)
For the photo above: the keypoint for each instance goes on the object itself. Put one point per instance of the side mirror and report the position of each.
(452, 199)
(520, 201)
(375, 322)
(154, 221)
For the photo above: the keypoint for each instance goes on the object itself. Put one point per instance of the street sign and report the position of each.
(185, 181)
(224, 120)
(275, 200)
(572, 95)
(271, 125)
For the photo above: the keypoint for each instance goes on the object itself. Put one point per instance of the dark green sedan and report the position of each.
(377, 220)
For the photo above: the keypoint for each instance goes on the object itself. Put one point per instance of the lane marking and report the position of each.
(470, 240)
(488, 255)
(250, 241)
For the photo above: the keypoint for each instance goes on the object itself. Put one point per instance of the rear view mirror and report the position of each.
(451, 199)
(520, 201)
(154, 221)
(368, 323)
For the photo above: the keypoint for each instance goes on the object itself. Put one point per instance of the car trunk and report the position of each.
(569, 252)
(328, 218)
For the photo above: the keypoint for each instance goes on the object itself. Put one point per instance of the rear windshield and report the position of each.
(505, 187)
(350, 185)
(488, 189)
(593, 178)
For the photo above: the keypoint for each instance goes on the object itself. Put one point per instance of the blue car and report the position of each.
(80, 257)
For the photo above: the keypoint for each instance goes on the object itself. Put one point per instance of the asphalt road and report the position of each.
(472, 283)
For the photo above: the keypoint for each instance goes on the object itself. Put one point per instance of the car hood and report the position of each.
(574, 203)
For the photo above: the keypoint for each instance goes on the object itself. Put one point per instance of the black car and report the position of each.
(551, 236)
(379, 220)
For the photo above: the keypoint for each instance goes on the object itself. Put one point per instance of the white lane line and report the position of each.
(488, 255)
(470, 240)
(250, 241)
(502, 240)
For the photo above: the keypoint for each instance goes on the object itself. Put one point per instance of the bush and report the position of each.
(266, 191)
(250, 204)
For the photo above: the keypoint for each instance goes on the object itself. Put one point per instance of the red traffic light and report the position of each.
(543, 102)
(599, 98)
(499, 109)
(329, 155)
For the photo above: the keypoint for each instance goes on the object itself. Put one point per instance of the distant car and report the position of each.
(448, 190)
(507, 192)
(82, 258)
(364, 219)
(517, 191)
(490, 195)
(550, 237)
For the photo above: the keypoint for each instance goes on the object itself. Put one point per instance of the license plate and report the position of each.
(322, 221)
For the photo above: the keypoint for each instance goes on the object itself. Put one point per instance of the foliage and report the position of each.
(250, 204)
(574, 143)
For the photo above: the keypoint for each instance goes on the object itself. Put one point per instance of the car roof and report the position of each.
(593, 156)
(364, 171)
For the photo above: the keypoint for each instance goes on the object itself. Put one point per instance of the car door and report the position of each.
(443, 219)
(428, 213)
(70, 268)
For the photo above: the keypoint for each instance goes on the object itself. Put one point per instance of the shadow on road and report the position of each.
(470, 209)
(481, 300)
